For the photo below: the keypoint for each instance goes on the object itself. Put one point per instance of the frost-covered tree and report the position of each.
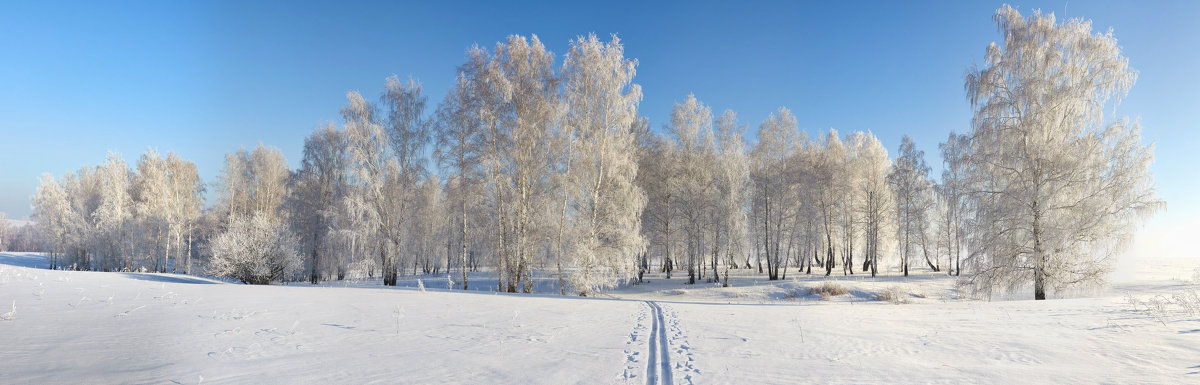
(952, 195)
(254, 181)
(693, 169)
(773, 185)
(872, 164)
(387, 162)
(1058, 188)
(828, 169)
(5, 229)
(601, 102)
(108, 218)
(407, 127)
(186, 191)
(115, 215)
(269, 174)
(522, 105)
(51, 209)
(376, 173)
(654, 177)
(320, 184)
(912, 191)
(256, 249)
(459, 145)
(427, 228)
(153, 202)
(849, 220)
(733, 188)
(169, 199)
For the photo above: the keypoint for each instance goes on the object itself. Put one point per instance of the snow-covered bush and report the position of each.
(893, 294)
(1189, 301)
(828, 289)
(1163, 309)
(256, 250)
(361, 270)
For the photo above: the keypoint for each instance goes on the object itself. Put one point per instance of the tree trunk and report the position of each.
(1039, 271)
(313, 276)
(189, 253)
(463, 240)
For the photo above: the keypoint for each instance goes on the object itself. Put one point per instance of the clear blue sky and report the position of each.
(202, 78)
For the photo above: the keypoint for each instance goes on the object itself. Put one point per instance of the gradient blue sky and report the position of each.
(201, 78)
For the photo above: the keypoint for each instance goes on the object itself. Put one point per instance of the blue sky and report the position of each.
(202, 78)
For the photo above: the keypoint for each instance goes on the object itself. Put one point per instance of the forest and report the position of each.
(534, 168)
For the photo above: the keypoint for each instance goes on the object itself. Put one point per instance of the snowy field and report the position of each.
(93, 327)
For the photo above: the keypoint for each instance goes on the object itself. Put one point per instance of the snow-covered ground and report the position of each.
(92, 327)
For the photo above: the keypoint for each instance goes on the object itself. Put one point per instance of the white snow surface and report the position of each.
(95, 327)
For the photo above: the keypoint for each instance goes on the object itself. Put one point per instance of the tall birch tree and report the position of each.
(1059, 188)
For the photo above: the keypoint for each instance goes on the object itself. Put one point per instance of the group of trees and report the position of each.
(546, 168)
(112, 218)
(18, 236)
(533, 164)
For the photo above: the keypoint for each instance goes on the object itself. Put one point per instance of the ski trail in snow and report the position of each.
(652, 357)
(658, 366)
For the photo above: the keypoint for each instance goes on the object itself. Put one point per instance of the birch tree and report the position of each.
(153, 207)
(872, 186)
(692, 166)
(376, 172)
(52, 214)
(459, 145)
(952, 194)
(1059, 188)
(601, 102)
(828, 170)
(911, 189)
(523, 106)
(115, 215)
(186, 195)
(320, 185)
(777, 138)
(254, 181)
(654, 177)
(733, 179)
(5, 230)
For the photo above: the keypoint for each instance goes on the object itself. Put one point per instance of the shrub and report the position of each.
(256, 250)
(893, 294)
(827, 290)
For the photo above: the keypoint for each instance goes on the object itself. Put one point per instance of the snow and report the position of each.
(70, 327)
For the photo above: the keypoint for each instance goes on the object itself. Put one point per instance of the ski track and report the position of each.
(658, 366)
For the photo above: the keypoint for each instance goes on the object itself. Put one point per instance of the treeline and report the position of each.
(540, 167)
(112, 218)
(18, 237)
